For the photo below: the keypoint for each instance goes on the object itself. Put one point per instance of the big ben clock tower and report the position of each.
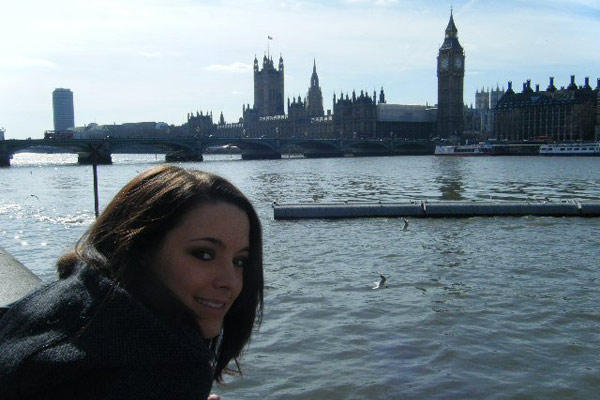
(451, 73)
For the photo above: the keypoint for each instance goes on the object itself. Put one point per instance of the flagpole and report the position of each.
(269, 38)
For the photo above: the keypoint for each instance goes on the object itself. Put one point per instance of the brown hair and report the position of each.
(134, 224)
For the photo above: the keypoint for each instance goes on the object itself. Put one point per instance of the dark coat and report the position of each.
(75, 339)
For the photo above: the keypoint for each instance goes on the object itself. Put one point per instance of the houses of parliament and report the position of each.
(565, 114)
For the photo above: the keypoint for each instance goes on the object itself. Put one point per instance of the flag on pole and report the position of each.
(270, 37)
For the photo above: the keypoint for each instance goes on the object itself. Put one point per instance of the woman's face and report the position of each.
(202, 261)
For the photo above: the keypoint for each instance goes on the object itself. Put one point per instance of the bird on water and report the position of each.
(382, 282)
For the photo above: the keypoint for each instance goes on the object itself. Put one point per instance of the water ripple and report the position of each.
(494, 308)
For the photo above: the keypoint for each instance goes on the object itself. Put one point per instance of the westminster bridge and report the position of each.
(186, 148)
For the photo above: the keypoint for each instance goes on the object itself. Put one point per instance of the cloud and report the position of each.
(236, 67)
(149, 54)
(16, 61)
(375, 2)
(567, 5)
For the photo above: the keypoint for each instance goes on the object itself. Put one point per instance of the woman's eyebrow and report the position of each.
(215, 241)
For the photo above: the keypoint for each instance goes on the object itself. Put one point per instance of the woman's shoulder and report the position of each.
(85, 321)
(43, 316)
(36, 322)
(54, 302)
(92, 308)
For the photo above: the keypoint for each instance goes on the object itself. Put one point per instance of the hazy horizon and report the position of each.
(157, 60)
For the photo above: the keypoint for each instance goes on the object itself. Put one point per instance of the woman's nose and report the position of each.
(225, 274)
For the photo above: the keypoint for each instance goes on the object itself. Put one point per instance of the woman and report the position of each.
(157, 297)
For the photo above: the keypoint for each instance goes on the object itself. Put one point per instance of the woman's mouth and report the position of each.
(210, 303)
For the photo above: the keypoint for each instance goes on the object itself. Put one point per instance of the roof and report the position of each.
(404, 113)
(451, 26)
(533, 98)
(451, 39)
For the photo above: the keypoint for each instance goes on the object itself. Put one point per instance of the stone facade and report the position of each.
(408, 122)
(355, 116)
(314, 99)
(268, 88)
(483, 115)
(200, 124)
(566, 114)
(450, 72)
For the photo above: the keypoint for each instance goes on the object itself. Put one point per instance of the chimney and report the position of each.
(537, 88)
(551, 87)
(572, 85)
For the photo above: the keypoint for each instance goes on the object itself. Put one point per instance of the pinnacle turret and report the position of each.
(314, 99)
(314, 78)
(451, 36)
(451, 30)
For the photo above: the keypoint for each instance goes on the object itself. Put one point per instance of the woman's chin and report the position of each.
(209, 332)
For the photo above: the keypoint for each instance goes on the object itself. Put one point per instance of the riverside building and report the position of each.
(485, 102)
(364, 114)
(354, 115)
(561, 115)
(268, 87)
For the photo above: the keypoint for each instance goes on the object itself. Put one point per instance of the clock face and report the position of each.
(444, 63)
(458, 63)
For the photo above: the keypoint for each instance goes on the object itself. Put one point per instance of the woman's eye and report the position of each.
(241, 262)
(203, 255)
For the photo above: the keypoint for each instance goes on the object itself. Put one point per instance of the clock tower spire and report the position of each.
(451, 73)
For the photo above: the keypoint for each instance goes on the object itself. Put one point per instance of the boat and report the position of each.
(480, 149)
(570, 149)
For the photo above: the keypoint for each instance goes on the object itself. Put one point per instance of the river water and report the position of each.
(477, 308)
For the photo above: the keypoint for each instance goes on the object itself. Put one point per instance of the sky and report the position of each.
(157, 60)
